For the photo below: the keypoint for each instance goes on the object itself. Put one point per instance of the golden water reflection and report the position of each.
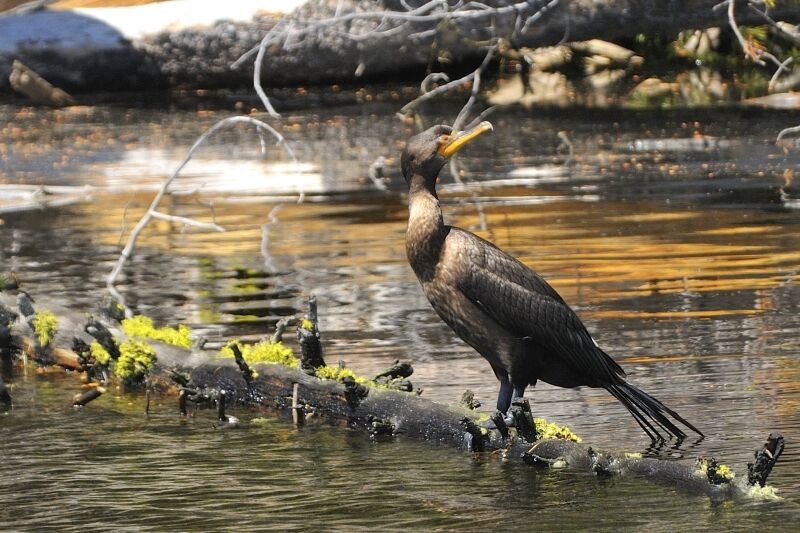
(592, 254)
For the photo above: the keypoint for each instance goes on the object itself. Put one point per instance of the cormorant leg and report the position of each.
(519, 392)
(505, 395)
(503, 400)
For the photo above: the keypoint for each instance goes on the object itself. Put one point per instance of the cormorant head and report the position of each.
(426, 153)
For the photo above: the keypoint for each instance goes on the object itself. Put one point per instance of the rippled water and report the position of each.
(673, 234)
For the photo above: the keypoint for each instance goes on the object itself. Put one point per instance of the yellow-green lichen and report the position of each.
(726, 472)
(99, 354)
(482, 417)
(633, 455)
(766, 492)
(136, 358)
(723, 473)
(45, 325)
(263, 352)
(142, 326)
(339, 373)
(306, 324)
(548, 430)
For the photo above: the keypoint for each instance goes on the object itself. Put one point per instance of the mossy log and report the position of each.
(290, 392)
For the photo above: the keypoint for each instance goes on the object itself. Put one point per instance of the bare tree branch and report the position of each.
(476, 85)
(291, 31)
(153, 212)
(781, 68)
(186, 221)
(787, 131)
(272, 219)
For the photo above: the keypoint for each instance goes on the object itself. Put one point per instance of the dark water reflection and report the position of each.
(681, 255)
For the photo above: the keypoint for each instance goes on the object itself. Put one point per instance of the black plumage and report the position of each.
(499, 306)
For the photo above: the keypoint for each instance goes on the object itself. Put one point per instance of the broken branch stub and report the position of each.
(523, 419)
(247, 372)
(765, 459)
(397, 370)
(308, 335)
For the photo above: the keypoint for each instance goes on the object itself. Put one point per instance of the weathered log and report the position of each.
(88, 50)
(284, 391)
(27, 82)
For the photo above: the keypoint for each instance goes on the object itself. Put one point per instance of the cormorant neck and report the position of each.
(420, 185)
(426, 230)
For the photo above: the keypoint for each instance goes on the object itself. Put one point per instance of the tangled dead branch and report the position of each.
(153, 211)
(427, 21)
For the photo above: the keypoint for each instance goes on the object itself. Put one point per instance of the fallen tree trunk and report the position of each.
(294, 394)
(324, 40)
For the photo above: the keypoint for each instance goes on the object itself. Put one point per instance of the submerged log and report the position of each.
(107, 49)
(205, 378)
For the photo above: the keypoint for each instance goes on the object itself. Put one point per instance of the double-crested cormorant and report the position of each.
(499, 306)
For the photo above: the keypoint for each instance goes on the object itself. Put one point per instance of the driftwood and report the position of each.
(310, 47)
(292, 393)
(25, 81)
(90, 394)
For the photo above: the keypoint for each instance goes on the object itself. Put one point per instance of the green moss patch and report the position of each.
(135, 360)
(142, 326)
(263, 352)
(715, 472)
(45, 325)
(338, 373)
(99, 354)
(548, 430)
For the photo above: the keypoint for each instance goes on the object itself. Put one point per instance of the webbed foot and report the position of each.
(499, 421)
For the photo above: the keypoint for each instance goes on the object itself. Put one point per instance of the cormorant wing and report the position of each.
(527, 306)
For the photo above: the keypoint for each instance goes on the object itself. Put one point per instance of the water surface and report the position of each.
(673, 234)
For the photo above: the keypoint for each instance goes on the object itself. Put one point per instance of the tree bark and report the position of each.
(101, 59)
